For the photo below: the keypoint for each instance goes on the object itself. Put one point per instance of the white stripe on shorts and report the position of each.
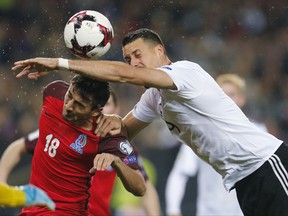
(279, 171)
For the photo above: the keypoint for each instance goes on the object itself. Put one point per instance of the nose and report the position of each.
(69, 105)
(134, 62)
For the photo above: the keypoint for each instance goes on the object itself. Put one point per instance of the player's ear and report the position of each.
(97, 112)
(160, 49)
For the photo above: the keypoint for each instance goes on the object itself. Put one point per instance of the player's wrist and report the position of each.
(63, 64)
(118, 117)
(116, 162)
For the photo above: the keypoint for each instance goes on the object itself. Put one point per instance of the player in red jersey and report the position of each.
(67, 146)
(99, 202)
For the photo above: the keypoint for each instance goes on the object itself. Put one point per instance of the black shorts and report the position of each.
(265, 192)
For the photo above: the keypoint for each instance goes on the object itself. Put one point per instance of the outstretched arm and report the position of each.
(112, 71)
(11, 157)
(132, 180)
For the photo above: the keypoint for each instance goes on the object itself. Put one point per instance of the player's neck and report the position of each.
(86, 125)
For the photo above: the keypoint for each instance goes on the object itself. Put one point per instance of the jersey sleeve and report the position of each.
(121, 147)
(56, 89)
(31, 141)
(186, 162)
(188, 77)
(146, 109)
(141, 164)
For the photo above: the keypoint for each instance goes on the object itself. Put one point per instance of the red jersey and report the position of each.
(101, 184)
(101, 190)
(64, 155)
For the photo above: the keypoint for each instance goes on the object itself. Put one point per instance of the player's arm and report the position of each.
(150, 201)
(112, 71)
(132, 179)
(174, 192)
(11, 157)
(185, 166)
(27, 195)
(132, 126)
(129, 126)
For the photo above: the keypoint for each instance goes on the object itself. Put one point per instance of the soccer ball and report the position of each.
(88, 34)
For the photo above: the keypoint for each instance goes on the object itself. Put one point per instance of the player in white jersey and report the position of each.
(196, 111)
(212, 198)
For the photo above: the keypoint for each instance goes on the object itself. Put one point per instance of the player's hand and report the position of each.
(36, 67)
(36, 197)
(108, 124)
(102, 162)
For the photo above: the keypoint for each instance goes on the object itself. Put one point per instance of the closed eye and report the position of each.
(128, 60)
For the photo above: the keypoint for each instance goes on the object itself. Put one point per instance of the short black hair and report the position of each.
(89, 89)
(145, 34)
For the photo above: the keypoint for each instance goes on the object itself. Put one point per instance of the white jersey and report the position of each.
(212, 198)
(201, 115)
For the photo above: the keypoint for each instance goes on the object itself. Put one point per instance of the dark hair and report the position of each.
(89, 89)
(145, 34)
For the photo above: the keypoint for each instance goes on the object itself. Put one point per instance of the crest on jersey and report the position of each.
(79, 143)
(125, 147)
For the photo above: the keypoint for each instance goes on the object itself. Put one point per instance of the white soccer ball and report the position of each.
(88, 34)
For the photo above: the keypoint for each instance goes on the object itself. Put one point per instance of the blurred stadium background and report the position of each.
(248, 37)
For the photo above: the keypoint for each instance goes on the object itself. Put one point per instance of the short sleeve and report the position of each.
(31, 141)
(146, 109)
(188, 77)
(186, 161)
(121, 147)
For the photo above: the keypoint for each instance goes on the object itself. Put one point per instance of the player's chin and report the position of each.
(67, 117)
